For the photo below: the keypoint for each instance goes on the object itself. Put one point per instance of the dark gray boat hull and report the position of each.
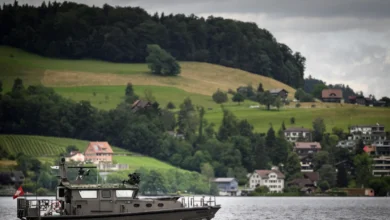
(198, 213)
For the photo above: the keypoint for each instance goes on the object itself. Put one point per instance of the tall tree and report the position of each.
(18, 86)
(317, 92)
(319, 129)
(228, 127)
(278, 102)
(161, 62)
(267, 99)
(260, 88)
(342, 176)
(363, 169)
(238, 97)
(129, 89)
(292, 166)
(187, 119)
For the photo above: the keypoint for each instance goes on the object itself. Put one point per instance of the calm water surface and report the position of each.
(256, 208)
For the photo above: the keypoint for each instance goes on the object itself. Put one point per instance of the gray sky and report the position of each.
(344, 41)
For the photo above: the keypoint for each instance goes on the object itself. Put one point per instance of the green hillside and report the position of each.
(103, 84)
(197, 78)
(48, 148)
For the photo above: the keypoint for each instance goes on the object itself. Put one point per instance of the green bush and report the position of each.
(161, 62)
(42, 192)
(170, 105)
(220, 97)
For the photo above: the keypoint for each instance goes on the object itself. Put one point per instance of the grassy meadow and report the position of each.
(198, 78)
(103, 84)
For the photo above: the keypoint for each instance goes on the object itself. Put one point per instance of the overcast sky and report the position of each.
(344, 41)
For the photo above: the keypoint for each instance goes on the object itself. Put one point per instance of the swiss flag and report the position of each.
(19, 192)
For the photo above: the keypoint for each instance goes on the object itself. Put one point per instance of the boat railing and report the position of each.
(37, 207)
(192, 201)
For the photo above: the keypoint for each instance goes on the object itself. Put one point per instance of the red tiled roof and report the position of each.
(265, 173)
(99, 147)
(332, 93)
(307, 145)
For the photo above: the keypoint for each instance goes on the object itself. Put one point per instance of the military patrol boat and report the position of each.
(112, 202)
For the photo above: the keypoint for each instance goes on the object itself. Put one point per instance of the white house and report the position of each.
(76, 156)
(273, 179)
(368, 132)
(294, 134)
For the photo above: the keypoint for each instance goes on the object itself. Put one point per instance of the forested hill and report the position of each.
(120, 34)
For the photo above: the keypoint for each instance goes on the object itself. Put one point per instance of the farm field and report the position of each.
(199, 78)
(43, 146)
(339, 116)
(103, 84)
(108, 97)
(48, 148)
(135, 162)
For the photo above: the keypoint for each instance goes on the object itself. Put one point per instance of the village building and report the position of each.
(282, 93)
(227, 186)
(98, 151)
(358, 100)
(273, 179)
(382, 147)
(308, 183)
(306, 151)
(297, 134)
(332, 95)
(347, 144)
(140, 105)
(381, 166)
(368, 133)
(75, 156)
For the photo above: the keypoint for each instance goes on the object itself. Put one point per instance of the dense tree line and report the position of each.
(234, 149)
(121, 34)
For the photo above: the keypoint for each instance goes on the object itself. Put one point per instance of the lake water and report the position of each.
(278, 208)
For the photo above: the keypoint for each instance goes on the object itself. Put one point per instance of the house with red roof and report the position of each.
(332, 95)
(273, 179)
(98, 152)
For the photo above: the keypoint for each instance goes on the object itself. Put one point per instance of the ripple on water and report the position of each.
(278, 208)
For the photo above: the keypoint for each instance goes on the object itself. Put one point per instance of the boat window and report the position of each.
(106, 194)
(136, 205)
(88, 194)
(160, 205)
(148, 205)
(124, 193)
(61, 192)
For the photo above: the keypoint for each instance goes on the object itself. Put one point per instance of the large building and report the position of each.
(273, 179)
(227, 186)
(98, 152)
(381, 166)
(297, 134)
(332, 95)
(306, 151)
(368, 133)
